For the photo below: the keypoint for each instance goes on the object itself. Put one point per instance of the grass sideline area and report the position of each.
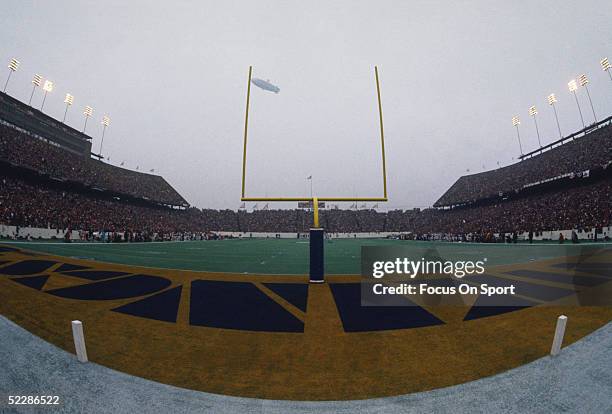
(290, 256)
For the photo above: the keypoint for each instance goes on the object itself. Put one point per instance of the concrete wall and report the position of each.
(567, 234)
(13, 232)
(303, 235)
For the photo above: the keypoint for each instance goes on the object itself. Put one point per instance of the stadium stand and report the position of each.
(49, 205)
(45, 184)
(591, 151)
(34, 122)
(583, 206)
(43, 205)
(21, 149)
(273, 221)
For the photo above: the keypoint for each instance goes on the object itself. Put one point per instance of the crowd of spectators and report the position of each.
(23, 150)
(275, 221)
(591, 151)
(29, 204)
(485, 203)
(582, 207)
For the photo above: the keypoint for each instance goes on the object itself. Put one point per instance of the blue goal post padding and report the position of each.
(317, 262)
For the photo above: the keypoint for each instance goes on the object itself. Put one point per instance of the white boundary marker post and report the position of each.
(79, 341)
(559, 333)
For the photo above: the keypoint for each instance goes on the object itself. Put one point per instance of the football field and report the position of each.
(210, 327)
(290, 256)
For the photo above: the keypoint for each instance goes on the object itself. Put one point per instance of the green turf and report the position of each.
(290, 256)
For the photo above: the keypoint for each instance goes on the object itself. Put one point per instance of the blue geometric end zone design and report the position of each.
(294, 293)
(34, 282)
(595, 268)
(67, 267)
(357, 318)
(94, 274)
(238, 305)
(532, 290)
(27, 267)
(161, 306)
(122, 288)
(485, 306)
(243, 306)
(573, 280)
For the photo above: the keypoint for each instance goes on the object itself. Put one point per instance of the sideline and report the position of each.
(577, 380)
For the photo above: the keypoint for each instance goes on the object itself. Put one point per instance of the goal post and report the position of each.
(317, 263)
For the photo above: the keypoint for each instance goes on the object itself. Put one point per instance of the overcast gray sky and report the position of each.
(172, 77)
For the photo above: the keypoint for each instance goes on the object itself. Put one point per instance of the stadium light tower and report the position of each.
(516, 122)
(47, 87)
(552, 99)
(105, 124)
(13, 66)
(87, 112)
(584, 82)
(573, 86)
(68, 100)
(533, 112)
(605, 65)
(36, 81)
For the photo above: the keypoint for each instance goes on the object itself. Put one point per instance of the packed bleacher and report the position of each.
(582, 207)
(592, 151)
(28, 204)
(31, 205)
(24, 150)
(45, 186)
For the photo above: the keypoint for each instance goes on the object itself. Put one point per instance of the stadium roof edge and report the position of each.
(584, 131)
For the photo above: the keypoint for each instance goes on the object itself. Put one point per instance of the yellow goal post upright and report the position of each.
(317, 264)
